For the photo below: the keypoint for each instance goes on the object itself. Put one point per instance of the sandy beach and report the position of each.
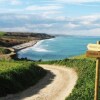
(25, 45)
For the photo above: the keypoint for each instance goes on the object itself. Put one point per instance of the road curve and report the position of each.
(56, 85)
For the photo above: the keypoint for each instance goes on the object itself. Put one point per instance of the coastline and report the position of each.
(24, 45)
(15, 49)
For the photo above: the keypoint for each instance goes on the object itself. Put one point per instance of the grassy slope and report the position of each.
(82, 57)
(2, 33)
(4, 51)
(16, 76)
(84, 89)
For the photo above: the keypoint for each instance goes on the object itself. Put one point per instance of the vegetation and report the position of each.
(16, 76)
(4, 51)
(2, 34)
(82, 57)
(9, 39)
(27, 34)
(84, 89)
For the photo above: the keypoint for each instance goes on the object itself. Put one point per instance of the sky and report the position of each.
(66, 17)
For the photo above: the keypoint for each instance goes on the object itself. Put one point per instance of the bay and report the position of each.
(58, 48)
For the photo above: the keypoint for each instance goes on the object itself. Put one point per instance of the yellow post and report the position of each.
(97, 77)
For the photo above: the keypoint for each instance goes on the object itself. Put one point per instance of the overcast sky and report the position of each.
(72, 17)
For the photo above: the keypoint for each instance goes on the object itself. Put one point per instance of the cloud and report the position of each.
(47, 7)
(71, 25)
(77, 1)
(38, 25)
(15, 29)
(12, 2)
(48, 14)
(91, 32)
(85, 25)
(15, 2)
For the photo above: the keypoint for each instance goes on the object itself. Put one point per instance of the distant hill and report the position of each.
(27, 34)
(8, 39)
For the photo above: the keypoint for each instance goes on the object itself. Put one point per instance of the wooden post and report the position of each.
(97, 77)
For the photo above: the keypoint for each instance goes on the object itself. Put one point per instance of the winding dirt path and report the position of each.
(56, 85)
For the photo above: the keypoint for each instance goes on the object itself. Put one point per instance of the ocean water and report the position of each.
(58, 48)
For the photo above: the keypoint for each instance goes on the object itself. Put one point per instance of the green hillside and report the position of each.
(2, 33)
(4, 51)
(16, 76)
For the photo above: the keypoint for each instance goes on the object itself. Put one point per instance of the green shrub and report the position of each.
(16, 76)
(4, 51)
(2, 34)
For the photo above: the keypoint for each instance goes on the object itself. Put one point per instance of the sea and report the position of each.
(58, 48)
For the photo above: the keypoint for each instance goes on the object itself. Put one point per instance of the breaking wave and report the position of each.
(38, 47)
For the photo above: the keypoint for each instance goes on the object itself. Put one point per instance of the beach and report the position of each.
(16, 48)
(25, 45)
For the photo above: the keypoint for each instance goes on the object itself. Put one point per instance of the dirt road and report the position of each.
(56, 85)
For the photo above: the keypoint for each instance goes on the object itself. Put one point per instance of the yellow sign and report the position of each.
(93, 47)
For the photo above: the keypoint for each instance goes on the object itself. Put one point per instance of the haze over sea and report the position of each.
(57, 48)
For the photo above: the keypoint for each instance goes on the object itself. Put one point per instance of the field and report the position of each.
(16, 76)
(84, 89)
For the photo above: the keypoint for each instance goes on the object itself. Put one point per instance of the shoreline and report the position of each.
(24, 45)
(19, 47)
(16, 48)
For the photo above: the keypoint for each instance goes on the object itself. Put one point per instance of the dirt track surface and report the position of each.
(56, 85)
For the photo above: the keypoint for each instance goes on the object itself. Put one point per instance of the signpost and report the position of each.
(94, 54)
(94, 47)
(94, 51)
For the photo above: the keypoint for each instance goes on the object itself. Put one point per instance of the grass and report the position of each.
(4, 51)
(84, 89)
(16, 76)
(83, 57)
(2, 34)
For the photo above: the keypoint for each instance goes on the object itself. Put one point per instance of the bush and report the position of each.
(4, 51)
(19, 75)
(2, 34)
